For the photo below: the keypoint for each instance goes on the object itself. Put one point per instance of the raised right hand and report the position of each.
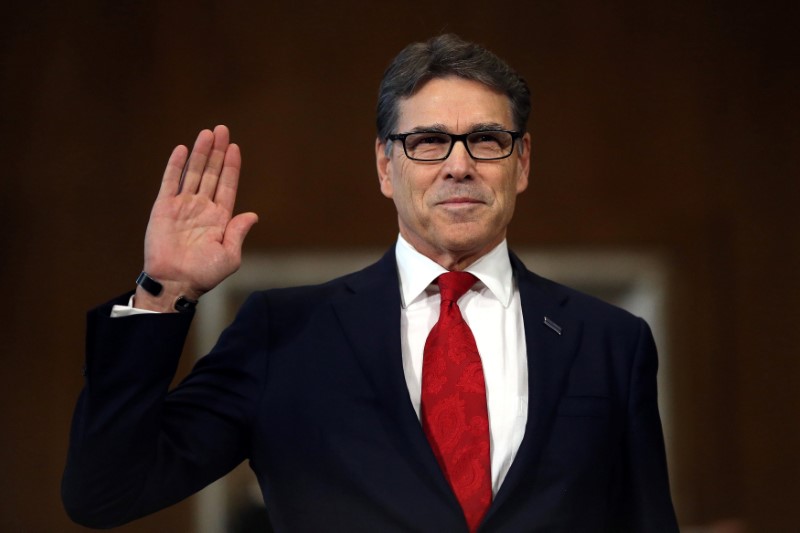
(193, 241)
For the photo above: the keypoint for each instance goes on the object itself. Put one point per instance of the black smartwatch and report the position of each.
(149, 284)
(185, 305)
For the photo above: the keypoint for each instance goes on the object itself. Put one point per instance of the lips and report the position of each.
(459, 200)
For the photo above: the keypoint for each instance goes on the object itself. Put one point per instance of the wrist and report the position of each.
(164, 297)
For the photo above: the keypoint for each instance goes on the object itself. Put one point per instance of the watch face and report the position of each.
(184, 305)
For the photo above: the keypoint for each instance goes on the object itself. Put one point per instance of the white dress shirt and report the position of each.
(493, 311)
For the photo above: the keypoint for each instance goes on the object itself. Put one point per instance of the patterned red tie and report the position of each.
(453, 404)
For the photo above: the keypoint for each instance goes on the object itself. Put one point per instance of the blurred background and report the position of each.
(663, 127)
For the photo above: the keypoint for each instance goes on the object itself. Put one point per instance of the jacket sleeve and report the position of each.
(647, 503)
(135, 447)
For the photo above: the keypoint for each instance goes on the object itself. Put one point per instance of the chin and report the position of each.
(465, 244)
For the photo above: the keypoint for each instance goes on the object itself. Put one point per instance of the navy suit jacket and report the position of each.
(308, 384)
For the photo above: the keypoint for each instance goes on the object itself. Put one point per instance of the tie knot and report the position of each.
(453, 285)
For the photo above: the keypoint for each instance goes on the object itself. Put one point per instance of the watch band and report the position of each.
(149, 284)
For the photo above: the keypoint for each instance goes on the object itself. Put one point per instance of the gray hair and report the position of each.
(442, 56)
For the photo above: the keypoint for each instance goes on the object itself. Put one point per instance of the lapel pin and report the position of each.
(552, 325)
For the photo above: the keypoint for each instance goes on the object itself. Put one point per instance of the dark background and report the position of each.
(665, 126)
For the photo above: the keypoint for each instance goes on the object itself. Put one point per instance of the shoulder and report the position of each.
(292, 304)
(572, 302)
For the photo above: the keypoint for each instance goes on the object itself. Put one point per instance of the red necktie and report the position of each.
(453, 404)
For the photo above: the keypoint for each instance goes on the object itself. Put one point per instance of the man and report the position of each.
(409, 396)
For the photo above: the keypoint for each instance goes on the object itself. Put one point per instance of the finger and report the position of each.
(238, 228)
(170, 183)
(208, 182)
(229, 178)
(197, 162)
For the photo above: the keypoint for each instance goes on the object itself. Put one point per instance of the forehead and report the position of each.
(456, 104)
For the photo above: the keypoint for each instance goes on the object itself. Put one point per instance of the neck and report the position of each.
(453, 260)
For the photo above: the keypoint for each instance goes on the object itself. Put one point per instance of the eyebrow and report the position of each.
(441, 128)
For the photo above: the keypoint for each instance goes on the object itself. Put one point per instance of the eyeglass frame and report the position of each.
(453, 139)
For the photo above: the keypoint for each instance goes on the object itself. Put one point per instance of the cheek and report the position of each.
(512, 186)
(412, 189)
(412, 200)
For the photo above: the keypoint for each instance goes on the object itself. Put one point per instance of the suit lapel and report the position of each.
(551, 348)
(370, 317)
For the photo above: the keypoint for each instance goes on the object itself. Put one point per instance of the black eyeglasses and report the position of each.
(436, 145)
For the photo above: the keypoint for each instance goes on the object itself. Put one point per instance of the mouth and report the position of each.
(459, 201)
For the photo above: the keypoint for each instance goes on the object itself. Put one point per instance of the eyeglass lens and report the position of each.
(480, 144)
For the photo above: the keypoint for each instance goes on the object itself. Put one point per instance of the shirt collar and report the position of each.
(417, 272)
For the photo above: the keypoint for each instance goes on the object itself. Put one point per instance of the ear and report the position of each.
(384, 166)
(524, 162)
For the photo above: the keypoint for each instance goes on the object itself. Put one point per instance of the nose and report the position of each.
(459, 165)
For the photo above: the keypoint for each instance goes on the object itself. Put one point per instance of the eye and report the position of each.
(488, 137)
(427, 138)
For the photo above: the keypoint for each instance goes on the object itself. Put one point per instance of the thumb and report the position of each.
(237, 229)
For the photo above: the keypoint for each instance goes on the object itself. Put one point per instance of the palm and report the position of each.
(192, 239)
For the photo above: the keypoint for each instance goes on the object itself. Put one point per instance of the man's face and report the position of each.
(456, 210)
